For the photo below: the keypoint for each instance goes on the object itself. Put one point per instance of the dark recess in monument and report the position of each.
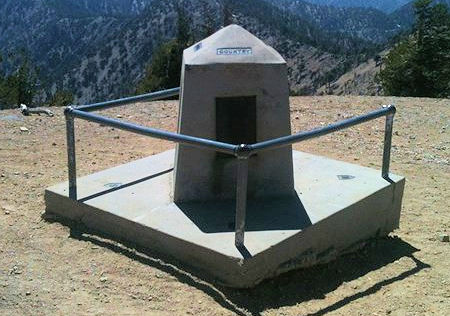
(236, 120)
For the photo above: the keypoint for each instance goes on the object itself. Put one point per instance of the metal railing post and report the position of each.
(71, 161)
(387, 145)
(242, 153)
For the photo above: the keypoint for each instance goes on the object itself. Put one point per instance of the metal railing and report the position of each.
(241, 152)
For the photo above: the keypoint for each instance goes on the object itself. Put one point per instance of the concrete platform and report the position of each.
(338, 206)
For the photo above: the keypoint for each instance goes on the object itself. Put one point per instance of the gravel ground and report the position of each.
(47, 268)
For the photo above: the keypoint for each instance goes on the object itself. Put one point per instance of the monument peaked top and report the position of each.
(231, 45)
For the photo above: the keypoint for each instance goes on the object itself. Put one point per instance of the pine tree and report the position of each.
(163, 72)
(184, 34)
(1, 74)
(420, 64)
(164, 69)
(20, 86)
(208, 26)
(61, 98)
(26, 79)
(227, 14)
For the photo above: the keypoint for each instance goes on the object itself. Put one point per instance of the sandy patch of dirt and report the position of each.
(47, 268)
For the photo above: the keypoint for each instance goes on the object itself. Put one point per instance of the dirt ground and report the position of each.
(47, 268)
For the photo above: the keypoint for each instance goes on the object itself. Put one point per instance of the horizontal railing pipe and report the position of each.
(292, 139)
(153, 96)
(155, 133)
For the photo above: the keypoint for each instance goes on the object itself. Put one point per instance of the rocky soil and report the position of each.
(47, 268)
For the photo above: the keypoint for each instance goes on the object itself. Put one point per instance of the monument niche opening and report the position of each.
(236, 120)
(235, 124)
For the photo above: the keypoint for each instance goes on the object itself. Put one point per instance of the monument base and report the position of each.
(338, 206)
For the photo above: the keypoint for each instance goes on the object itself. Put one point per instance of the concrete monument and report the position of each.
(302, 209)
(234, 90)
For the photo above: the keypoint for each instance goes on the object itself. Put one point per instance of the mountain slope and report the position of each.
(364, 23)
(57, 34)
(115, 68)
(109, 7)
(360, 80)
(99, 49)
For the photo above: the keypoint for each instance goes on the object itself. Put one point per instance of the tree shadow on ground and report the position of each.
(288, 289)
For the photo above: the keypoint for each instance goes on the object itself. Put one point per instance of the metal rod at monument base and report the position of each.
(241, 200)
(387, 146)
(71, 160)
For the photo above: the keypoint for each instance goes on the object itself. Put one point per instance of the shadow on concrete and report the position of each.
(272, 214)
(120, 186)
(388, 179)
(244, 251)
(288, 289)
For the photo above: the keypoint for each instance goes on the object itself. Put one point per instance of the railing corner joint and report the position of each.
(68, 110)
(243, 151)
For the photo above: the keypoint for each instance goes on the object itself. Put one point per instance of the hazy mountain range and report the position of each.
(99, 48)
(387, 6)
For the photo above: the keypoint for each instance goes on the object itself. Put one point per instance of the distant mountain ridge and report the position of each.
(387, 6)
(114, 68)
(405, 14)
(99, 7)
(99, 48)
(364, 23)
